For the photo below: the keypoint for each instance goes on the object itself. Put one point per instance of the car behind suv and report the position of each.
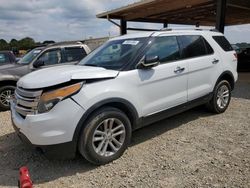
(41, 57)
(129, 82)
(6, 57)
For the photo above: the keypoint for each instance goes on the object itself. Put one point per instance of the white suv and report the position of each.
(129, 82)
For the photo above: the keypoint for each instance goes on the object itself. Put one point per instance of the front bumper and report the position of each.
(52, 128)
(57, 151)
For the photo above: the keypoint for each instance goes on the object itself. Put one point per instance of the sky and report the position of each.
(62, 20)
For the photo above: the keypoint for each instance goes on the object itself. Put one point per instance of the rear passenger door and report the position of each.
(202, 63)
(72, 55)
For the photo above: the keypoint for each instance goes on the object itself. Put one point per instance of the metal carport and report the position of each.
(218, 13)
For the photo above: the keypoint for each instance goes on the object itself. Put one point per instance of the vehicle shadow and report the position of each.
(14, 154)
(3, 110)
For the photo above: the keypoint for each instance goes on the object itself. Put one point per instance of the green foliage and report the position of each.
(13, 43)
(3, 45)
(243, 45)
(23, 44)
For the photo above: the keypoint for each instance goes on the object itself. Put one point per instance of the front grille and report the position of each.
(26, 101)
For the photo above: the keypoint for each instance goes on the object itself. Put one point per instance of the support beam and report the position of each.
(140, 29)
(123, 29)
(221, 15)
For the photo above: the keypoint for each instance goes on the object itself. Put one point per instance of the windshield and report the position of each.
(114, 54)
(29, 56)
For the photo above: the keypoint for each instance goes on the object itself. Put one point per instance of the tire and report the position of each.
(94, 139)
(218, 104)
(6, 92)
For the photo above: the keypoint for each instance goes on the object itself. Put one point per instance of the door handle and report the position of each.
(215, 61)
(179, 69)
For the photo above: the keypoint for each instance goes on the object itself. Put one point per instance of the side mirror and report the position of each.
(149, 62)
(38, 63)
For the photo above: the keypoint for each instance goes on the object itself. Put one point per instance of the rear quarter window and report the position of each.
(223, 42)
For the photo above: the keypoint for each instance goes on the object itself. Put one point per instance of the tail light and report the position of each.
(235, 57)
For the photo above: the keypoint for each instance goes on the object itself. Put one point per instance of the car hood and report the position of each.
(61, 74)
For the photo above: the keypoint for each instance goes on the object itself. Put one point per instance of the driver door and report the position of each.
(164, 86)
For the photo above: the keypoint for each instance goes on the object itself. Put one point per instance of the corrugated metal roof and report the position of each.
(181, 12)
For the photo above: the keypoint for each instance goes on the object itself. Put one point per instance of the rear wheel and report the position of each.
(6, 93)
(221, 97)
(105, 136)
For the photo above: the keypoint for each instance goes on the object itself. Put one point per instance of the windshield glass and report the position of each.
(29, 56)
(114, 54)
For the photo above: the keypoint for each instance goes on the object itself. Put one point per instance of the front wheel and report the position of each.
(106, 136)
(6, 93)
(221, 97)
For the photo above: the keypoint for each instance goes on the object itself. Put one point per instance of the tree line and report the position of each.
(26, 43)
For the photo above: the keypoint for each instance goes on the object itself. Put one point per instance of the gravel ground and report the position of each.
(192, 149)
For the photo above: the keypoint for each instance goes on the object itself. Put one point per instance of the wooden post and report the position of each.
(123, 27)
(221, 15)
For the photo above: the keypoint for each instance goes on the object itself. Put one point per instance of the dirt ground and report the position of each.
(192, 149)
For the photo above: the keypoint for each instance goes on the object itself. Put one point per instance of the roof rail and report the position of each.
(188, 28)
(65, 43)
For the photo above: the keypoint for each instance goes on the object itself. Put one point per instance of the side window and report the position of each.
(3, 58)
(193, 46)
(74, 54)
(223, 42)
(166, 48)
(51, 57)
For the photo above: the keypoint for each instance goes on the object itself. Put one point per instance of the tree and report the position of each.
(4, 45)
(26, 43)
(13, 43)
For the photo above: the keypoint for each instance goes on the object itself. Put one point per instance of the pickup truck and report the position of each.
(41, 57)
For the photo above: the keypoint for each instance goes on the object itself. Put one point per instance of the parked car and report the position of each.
(6, 57)
(41, 57)
(244, 60)
(236, 48)
(129, 82)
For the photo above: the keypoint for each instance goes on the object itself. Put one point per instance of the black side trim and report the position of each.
(131, 110)
(227, 75)
(173, 111)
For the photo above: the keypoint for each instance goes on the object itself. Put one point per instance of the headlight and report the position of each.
(49, 99)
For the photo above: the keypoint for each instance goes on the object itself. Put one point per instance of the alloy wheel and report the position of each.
(222, 97)
(108, 137)
(6, 96)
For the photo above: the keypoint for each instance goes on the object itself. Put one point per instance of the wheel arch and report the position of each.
(227, 75)
(119, 103)
(7, 82)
